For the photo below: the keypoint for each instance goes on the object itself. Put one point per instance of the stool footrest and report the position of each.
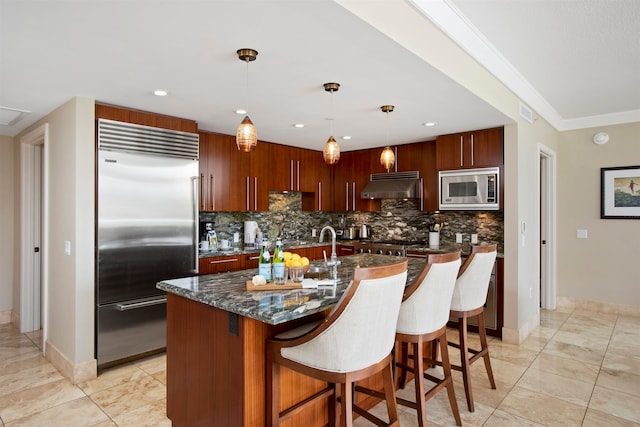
(289, 412)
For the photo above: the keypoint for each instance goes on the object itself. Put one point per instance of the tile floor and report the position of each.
(577, 368)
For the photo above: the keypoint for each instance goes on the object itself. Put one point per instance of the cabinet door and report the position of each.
(421, 157)
(238, 178)
(342, 200)
(364, 162)
(280, 163)
(487, 147)
(220, 264)
(449, 149)
(260, 175)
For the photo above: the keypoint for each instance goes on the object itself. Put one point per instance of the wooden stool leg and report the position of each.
(485, 349)
(434, 352)
(464, 361)
(404, 358)
(390, 394)
(446, 367)
(418, 371)
(346, 404)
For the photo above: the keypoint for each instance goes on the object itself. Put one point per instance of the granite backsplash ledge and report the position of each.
(397, 220)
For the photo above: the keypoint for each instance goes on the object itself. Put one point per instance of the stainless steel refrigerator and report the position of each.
(147, 231)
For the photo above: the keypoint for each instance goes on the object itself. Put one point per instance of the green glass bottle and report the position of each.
(279, 275)
(264, 261)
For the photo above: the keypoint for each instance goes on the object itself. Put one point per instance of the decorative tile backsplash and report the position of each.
(397, 220)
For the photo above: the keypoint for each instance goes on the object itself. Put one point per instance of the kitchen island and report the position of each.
(216, 333)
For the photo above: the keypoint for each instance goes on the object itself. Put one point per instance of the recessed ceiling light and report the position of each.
(346, 137)
(160, 92)
(298, 125)
(429, 124)
(241, 111)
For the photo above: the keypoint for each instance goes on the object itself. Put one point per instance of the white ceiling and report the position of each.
(575, 62)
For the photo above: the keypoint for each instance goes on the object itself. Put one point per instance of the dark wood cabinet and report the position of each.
(220, 264)
(345, 250)
(421, 157)
(351, 175)
(483, 148)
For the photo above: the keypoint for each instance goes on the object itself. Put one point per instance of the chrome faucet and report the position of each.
(333, 262)
(334, 256)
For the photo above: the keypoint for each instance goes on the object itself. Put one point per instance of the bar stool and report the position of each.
(469, 297)
(423, 319)
(354, 342)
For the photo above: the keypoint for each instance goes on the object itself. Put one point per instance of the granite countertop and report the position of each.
(227, 291)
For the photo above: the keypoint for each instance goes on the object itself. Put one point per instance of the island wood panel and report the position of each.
(204, 366)
(217, 378)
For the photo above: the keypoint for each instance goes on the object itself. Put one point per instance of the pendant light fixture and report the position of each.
(331, 152)
(247, 135)
(387, 158)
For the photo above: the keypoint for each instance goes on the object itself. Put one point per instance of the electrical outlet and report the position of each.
(458, 237)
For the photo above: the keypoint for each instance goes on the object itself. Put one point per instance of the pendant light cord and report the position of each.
(247, 88)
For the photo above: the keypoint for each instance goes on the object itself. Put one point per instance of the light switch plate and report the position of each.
(581, 233)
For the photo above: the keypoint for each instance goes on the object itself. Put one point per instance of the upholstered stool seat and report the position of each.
(354, 342)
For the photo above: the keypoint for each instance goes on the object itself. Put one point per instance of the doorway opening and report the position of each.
(33, 227)
(547, 200)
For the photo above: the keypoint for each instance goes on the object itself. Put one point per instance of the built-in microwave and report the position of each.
(469, 189)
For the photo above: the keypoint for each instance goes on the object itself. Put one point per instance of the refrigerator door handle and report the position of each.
(141, 304)
(196, 219)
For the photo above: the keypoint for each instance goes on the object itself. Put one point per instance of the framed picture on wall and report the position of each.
(620, 192)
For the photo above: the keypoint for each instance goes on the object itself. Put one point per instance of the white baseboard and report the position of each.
(75, 373)
(565, 303)
(517, 336)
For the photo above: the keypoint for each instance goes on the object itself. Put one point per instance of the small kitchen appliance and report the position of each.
(250, 233)
(469, 189)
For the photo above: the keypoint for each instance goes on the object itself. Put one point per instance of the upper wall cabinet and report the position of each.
(421, 157)
(470, 150)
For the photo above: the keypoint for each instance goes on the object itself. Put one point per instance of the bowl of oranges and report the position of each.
(297, 266)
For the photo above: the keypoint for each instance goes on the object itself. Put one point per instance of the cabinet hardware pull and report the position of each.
(291, 175)
(142, 304)
(319, 195)
(461, 152)
(298, 174)
(346, 207)
(472, 161)
(223, 261)
(213, 192)
(248, 206)
(255, 194)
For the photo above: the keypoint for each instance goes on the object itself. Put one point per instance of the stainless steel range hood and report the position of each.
(397, 185)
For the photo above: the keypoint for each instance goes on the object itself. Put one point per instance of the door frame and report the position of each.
(29, 287)
(547, 180)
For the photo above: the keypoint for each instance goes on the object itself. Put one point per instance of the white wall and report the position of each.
(605, 267)
(7, 185)
(70, 171)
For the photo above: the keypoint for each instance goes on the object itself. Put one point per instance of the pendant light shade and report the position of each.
(247, 135)
(331, 152)
(387, 158)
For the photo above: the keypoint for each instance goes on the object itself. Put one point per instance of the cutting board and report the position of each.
(272, 287)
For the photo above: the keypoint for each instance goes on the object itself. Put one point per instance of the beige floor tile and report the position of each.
(161, 376)
(624, 363)
(482, 392)
(503, 371)
(16, 346)
(620, 381)
(596, 343)
(625, 344)
(542, 408)
(516, 354)
(501, 419)
(595, 418)
(565, 367)
(153, 364)
(129, 396)
(535, 343)
(28, 377)
(78, 412)
(567, 389)
(574, 352)
(112, 377)
(616, 403)
(24, 361)
(151, 415)
(37, 399)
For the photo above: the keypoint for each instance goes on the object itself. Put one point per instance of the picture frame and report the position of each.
(620, 192)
